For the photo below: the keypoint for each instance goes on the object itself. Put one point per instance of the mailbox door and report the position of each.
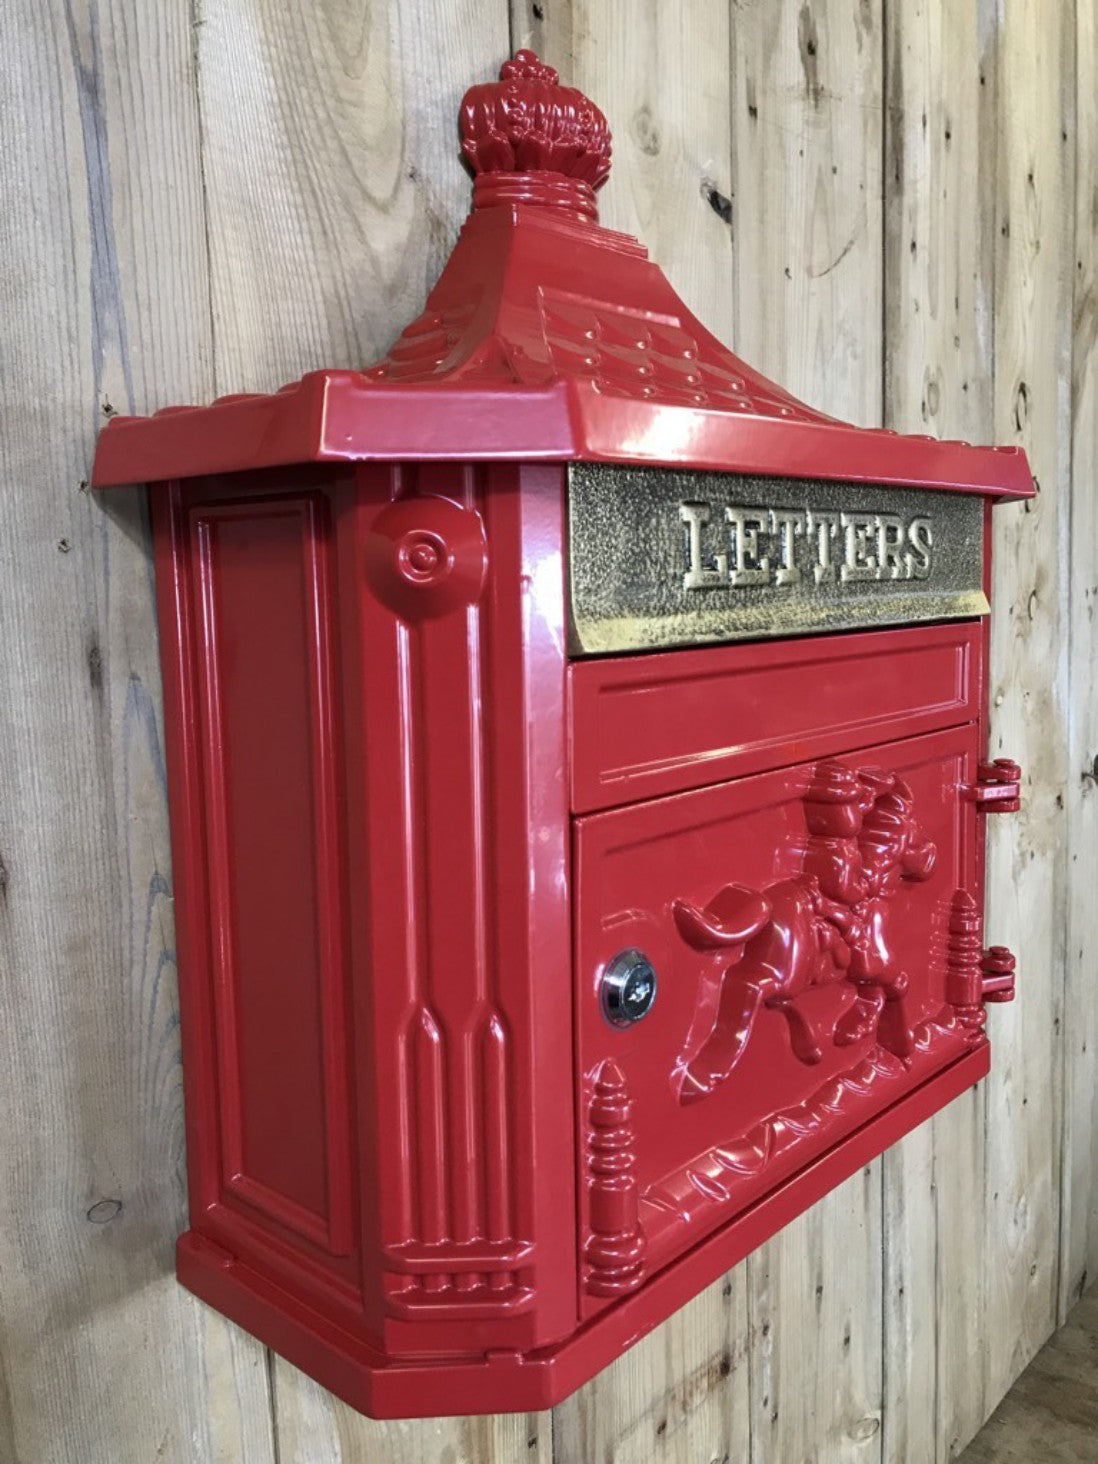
(798, 925)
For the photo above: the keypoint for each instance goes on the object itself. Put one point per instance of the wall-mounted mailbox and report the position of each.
(577, 791)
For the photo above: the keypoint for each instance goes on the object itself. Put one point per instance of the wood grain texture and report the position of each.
(1079, 1260)
(311, 1427)
(814, 1306)
(660, 72)
(105, 304)
(939, 298)
(889, 207)
(550, 31)
(1027, 909)
(679, 1396)
(807, 138)
(333, 175)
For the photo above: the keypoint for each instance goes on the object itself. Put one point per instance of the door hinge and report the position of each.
(998, 787)
(997, 971)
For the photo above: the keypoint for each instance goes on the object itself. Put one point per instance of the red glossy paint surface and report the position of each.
(409, 836)
(802, 985)
(646, 725)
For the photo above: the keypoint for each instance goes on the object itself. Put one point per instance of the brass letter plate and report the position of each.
(664, 557)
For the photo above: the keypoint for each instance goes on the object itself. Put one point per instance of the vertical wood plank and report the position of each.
(909, 1424)
(1079, 1265)
(1027, 910)
(549, 29)
(335, 192)
(106, 307)
(333, 173)
(807, 137)
(939, 261)
(677, 1397)
(815, 1323)
(311, 1427)
(660, 73)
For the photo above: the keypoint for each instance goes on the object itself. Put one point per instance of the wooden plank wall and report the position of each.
(890, 205)
(940, 205)
(1079, 1228)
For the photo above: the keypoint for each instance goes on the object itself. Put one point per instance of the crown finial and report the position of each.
(530, 140)
(527, 66)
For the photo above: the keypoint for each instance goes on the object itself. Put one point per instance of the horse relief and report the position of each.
(827, 924)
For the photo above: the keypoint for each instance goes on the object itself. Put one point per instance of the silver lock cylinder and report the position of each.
(627, 988)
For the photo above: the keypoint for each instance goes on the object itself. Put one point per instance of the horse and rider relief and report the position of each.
(827, 924)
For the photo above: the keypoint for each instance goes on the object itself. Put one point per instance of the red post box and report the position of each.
(577, 790)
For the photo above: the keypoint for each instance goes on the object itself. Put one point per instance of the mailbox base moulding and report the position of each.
(513, 1382)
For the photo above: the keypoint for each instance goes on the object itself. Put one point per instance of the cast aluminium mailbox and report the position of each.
(577, 789)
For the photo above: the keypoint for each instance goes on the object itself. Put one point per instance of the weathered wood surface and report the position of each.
(662, 70)
(939, 271)
(1034, 132)
(333, 180)
(1079, 1261)
(105, 307)
(876, 203)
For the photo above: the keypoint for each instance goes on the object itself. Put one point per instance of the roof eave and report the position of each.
(339, 416)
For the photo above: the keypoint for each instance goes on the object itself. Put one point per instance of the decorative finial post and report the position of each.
(964, 954)
(615, 1246)
(530, 140)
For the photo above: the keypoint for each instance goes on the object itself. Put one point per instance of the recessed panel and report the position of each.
(272, 841)
(646, 725)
